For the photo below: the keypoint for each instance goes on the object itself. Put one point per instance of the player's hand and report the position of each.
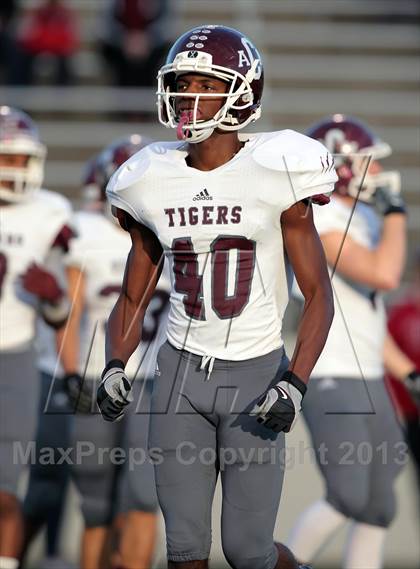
(279, 407)
(386, 201)
(412, 383)
(41, 283)
(114, 391)
(79, 391)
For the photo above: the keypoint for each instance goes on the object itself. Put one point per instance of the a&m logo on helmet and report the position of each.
(246, 57)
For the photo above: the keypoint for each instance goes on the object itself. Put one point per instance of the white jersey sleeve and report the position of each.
(306, 162)
(27, 232)
(130, 177)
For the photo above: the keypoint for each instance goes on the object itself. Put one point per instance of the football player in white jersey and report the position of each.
(233, 216)
(347, 407)
(33, 233)
(110, 488)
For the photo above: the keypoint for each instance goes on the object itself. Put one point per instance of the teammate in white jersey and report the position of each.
(109, 488)
(230, 214)
(33, 233)
(347, 407)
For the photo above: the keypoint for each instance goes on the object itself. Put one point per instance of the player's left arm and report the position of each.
(306, 255)
(279, 407)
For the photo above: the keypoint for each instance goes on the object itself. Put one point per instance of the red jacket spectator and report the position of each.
(52, 29)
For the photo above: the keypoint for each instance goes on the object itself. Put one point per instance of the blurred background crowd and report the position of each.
(85, 71)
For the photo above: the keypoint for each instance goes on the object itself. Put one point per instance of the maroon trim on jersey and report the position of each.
(63, 238)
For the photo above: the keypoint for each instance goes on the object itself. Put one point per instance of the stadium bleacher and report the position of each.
(357, 57)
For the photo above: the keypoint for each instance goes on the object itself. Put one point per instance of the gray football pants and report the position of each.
(112, 469)
(359, 445)
(48, 482)
(19, 395)
(200, 426)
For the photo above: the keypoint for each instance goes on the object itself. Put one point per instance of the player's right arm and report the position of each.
(142, 272)
(123, 334)
(379, 268)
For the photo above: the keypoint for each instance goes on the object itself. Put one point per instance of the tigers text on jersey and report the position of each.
(100, 251)
(222, 233)
(354, 347)
(27, 231)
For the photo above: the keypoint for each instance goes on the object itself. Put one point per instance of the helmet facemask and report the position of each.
(357, 181)
(353, 164)
(238, 98)
(18, 184)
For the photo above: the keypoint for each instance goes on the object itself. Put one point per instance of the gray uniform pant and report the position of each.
(48, 481)
(19, 394)
(359, 445)
(200, 426)
(111, 466)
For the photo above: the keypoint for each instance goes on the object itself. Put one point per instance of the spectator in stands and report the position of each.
(133, 44)
(8, 47)
(50, 29)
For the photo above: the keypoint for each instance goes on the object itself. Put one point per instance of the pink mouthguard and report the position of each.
(184, 120)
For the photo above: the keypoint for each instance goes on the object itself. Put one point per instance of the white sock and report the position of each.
(313, 528)
(8, 563)
(365, 547)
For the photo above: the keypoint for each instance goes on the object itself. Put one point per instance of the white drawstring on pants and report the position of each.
(209, 362)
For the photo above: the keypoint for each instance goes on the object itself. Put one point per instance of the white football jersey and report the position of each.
(27, 231)
(222, 233)
(100, 251)
(355, 343)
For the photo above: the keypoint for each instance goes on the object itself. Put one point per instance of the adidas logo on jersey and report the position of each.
(203, 195)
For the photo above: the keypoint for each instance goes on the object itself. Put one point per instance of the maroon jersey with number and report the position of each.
(222, 232)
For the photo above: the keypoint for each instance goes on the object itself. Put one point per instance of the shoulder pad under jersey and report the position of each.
(290, 151)
(52, 200)
(135, 168)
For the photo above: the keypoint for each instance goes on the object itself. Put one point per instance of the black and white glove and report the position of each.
(279, 407)
(114, 391)
(386, 201)
(79, 391)
(412, 383)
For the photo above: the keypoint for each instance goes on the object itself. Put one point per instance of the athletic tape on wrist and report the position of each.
(113, 363)
(292, 378)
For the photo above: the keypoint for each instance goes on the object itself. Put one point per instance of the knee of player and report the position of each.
(191, 538)
(246, 554)
(382, 513)
(349, 501)
(147, 503)
(96, 512)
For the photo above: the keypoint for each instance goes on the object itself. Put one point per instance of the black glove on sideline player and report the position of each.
(386, 201)
(79, 391)
(279, 407)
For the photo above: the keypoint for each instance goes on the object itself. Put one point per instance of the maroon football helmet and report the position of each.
(354, 146)
(220, 52)
(101, 167)
(19, 137)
